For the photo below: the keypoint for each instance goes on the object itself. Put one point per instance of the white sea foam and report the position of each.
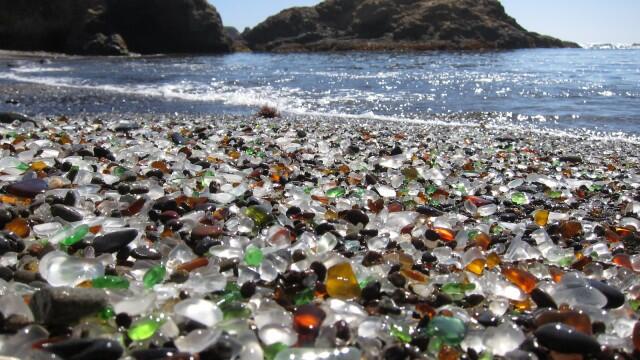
(293, 101)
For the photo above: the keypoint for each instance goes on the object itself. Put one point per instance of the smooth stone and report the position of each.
(86, 349)
(145, 253)
(71, 198)
(66, 213)
(355, 217)
(9, 117)
(542, 299)
(101, 152)
(114, 241)
(615, 298)
(565, 339)
(570, 159)
(65, 305)
(202, 231)
(10, 243)
(28, 188)
(126, 126)
(429, 211)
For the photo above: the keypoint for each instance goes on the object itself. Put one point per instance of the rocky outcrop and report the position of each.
(112, 27)
(335, 25)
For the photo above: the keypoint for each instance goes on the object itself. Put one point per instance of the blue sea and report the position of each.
(597, 90)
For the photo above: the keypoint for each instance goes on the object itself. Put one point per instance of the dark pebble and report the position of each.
(101, 152)
(5, 216)
(9, 117)
(372, 258)
(123, 320)
(542, 299)
(145, 253)
(86, 349)
(27, 188)
(487, 319)
(371, 291)
(64, 305)
(203, 245)
(66, 213)
(248, 289)
(202, 231)
(565, 339)
(112, 242)
(323, 228)
(429, 211)
(615, 298)
(6, 274)
(355, 217)
(571, 159)
(319, 269)
(70, 199)
(397, 279)
(10, 243)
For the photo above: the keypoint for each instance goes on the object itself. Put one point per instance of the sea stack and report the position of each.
(336, 25)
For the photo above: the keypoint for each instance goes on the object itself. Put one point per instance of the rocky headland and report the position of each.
(112, 27)
(336, 25)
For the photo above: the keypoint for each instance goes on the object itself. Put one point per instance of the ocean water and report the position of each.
(598, 90)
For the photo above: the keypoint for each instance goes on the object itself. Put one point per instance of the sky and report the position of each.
(582, 21)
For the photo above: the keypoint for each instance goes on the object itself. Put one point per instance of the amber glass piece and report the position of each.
(570, 229)
(477, 201)
(38, 165)
(307, 321)
(541, 217)
(448, 353)
(161, 165)
(395, 207)
(14, 200)
(194, 264)
(611, 236)
(482, 240)
(622, 260)
(636, 336)
(493, 260)
(95, 229)
(578, 320)
(413, 275)
(18, 226)
(521, 278)
(375, 206)
(623, 231)
(322, 199)
(134, 207)
(523, 305)
(556, 274)
(344, 169)
(426, 309)
(342, 282)
(445, 234)
(476, 266)
(330, 215)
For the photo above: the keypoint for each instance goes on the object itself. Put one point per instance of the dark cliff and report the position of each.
(112, 27)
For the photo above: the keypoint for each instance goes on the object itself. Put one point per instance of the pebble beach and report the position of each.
(151, 236)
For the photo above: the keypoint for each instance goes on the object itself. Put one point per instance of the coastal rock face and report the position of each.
(395, 25)
(112, 27)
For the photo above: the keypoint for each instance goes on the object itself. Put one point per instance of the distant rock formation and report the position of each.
(112, 27)
(336, 25)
